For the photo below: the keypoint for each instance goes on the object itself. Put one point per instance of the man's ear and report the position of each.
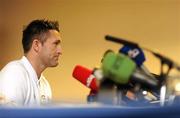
(36, 45)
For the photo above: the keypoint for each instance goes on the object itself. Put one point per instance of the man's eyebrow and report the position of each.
(57, 41)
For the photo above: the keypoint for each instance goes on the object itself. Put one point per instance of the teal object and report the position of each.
(118, 67)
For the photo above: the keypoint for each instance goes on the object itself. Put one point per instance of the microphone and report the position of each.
(135, 53)
(138, 56)
(167, 61)
(121, 41)
(122, 69)
(86, 77)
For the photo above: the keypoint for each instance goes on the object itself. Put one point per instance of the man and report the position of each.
(22, 82)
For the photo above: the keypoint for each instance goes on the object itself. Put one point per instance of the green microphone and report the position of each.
(117, 67)
(121, 69)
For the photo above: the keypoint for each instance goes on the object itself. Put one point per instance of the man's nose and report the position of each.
(59, 50)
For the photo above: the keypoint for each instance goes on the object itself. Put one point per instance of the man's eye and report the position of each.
(56, 43)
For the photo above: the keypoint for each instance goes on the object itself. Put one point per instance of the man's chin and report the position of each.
(54, 65)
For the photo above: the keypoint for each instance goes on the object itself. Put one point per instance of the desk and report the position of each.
(91, 112)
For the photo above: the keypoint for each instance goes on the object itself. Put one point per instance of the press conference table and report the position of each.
(89, 111)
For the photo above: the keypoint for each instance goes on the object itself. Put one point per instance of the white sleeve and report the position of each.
(12, 87)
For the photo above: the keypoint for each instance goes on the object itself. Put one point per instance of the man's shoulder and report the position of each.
(13, 65)
(13, 69)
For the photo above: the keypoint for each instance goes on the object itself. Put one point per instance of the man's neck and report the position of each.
(36, 64)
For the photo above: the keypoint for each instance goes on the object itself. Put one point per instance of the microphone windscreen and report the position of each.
(135, 53)
(85, 76)
(118, 67)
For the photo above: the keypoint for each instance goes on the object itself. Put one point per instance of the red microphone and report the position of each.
(86, 77)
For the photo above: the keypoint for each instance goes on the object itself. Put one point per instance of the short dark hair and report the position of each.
(37, 29)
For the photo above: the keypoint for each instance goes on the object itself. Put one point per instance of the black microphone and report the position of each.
(167, 61)
(121, 41)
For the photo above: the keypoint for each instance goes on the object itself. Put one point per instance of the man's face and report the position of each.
(51, 49)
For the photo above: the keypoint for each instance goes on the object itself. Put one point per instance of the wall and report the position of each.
(154, 24)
